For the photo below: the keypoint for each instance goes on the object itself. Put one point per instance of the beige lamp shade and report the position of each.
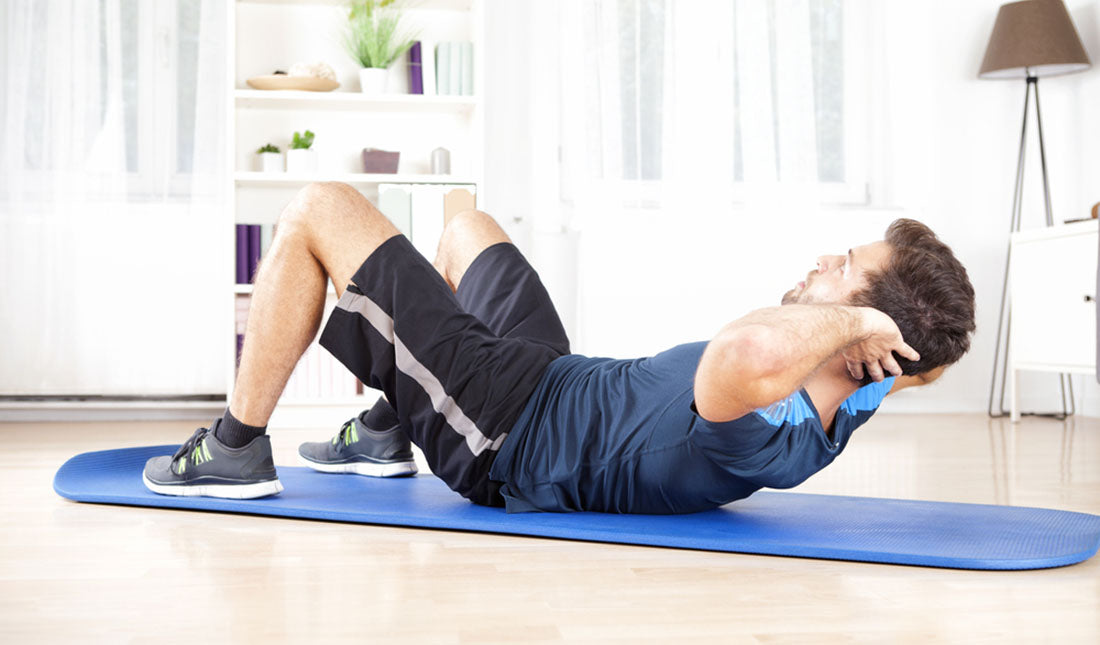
(1033, 38)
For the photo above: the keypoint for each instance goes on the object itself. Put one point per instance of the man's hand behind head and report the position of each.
(873, 355)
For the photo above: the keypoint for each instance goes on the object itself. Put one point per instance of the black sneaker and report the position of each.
(360, 450)
(205, 466)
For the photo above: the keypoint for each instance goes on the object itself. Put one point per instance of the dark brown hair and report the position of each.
(925, 289)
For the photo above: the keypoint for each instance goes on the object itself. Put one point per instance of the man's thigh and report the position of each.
(457, 387)
(504, 291)
(465, 236)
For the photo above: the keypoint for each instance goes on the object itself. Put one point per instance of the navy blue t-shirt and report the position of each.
(622, 436)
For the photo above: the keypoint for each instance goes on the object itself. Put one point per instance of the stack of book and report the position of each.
(318, 375)
(446, 70)
(419, 210)
(252, 243)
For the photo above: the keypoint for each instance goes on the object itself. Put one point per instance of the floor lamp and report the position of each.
(1030, 39)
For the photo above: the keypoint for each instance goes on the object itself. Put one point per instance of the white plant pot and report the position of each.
(271, 161)
(301, 160)
(372, 80)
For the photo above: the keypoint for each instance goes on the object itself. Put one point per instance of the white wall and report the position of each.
(952, 158)
(943, 151)
(111, 298)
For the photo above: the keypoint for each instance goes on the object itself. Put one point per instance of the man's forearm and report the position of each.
(769, 353)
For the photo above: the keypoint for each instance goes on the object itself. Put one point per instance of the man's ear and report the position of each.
(916, 380)
(932, 375)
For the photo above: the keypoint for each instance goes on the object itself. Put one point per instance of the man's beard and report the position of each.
(798, 295)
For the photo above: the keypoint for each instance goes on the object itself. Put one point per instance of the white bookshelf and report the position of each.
(292, 99)
(274, 34)
(297, 180)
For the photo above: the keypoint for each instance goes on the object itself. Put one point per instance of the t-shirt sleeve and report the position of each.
(768, 446)
(865, 400)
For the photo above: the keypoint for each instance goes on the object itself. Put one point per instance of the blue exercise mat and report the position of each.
(935, 534)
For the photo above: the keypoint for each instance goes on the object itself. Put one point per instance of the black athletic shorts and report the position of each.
(457, 367)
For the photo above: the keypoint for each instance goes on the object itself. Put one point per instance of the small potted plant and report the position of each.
(375, 39)
(301, 158)
(271, 160)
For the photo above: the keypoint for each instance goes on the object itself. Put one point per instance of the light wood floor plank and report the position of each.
(85, 572)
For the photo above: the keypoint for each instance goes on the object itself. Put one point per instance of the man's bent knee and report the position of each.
(468, 218)
(473, 225)
(465, 236)
(328, 194)
(330, 200)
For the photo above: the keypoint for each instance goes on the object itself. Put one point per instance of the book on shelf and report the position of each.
(267, 233)
(253, 241)
(328, 378)
(311, 376)
(419, 210)
(443, 69)
(466, 69)
(455, 80)
(242, 254)
(426, 206)
(318, 376)
(393, 201)
(454, 68)
(456, 200)
(416, 77)
(427, 67)
(253, 251)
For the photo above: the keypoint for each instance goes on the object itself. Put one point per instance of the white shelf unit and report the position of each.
(337, 100)
(297, 180)
(274, 34)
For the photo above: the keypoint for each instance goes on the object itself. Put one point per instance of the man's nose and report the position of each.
(826, 262)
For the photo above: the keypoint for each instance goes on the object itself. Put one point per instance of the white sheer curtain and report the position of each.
(659, 95)
(693, 136)
(113, 242)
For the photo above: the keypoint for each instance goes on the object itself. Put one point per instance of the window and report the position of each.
(159, 74)
(839, 130)
(146, 58)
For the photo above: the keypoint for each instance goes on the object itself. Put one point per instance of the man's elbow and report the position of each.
(738, 373)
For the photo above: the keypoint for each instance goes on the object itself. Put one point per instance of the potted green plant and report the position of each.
(375, 39)
(301, 158)
(271, 160)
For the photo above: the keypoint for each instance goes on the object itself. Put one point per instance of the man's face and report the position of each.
(837, 277)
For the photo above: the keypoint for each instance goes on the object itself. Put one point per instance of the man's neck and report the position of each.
(828, 387)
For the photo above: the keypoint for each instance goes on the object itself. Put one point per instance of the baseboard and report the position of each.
(288, 414)
(107, 409)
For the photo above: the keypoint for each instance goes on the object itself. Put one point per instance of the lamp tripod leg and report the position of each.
(1000, 363)
(1004, 319)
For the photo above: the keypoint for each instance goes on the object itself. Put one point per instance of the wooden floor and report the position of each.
(86, 572)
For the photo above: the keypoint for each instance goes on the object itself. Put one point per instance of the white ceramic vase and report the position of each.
(372, 80)
(271, 161)
(301, 160)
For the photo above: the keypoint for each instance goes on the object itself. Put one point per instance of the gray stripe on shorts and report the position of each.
(407, 363)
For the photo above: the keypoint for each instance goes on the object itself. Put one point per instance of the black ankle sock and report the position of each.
(235, 434)
(380, 417)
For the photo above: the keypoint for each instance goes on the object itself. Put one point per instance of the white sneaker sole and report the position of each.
(228, 491)
(397, 469)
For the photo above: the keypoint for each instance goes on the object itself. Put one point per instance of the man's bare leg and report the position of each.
(328, 230)
(465, 236)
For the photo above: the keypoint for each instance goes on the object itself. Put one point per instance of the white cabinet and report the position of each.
(1053, 291)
